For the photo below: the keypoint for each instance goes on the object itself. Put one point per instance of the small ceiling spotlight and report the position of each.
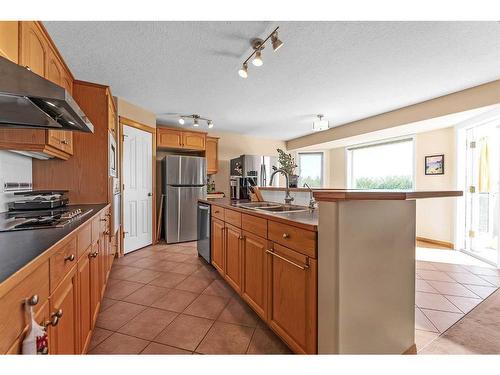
(196, 120)
(277, 44)
(258, 45)
(243, 72)
(320, 124)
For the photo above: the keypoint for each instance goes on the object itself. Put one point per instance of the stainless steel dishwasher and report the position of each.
(204, 231)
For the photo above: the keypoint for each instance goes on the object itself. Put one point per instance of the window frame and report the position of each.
(348, 158)
(322, 175)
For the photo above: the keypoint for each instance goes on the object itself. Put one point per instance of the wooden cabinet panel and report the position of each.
(212, 154)
(84, 239)
(217, 248)
(193, 140)
(254, 224)
(54, 68)
(111, 115)
(12, 310)
(293, 298)
(9, 40)
(84, 303)
(62, 261)
(169, 138)
(301, 240)
(34, 48)
(254, 272)
(218, 212)
(64, 334)
(232, 217)
(95, 289)
(232, 261)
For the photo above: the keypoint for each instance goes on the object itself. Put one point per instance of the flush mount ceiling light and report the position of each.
(258, 45)
(320, 124)
(196, 120)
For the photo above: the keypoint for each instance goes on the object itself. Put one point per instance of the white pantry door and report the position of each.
(137, 193)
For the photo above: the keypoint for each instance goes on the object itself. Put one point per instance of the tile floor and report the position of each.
(449, 284)
(165, 300)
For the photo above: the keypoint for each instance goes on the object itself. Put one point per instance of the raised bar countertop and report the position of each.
(305, 219)
(331, 194)
(19, 248)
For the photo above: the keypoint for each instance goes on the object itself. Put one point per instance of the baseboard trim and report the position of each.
(411, 350)
(448, 245)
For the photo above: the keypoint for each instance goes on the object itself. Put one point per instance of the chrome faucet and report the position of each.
(312, 201)
(288, 197)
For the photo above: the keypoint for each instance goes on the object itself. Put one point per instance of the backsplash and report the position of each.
(13, 168)
(301, 198)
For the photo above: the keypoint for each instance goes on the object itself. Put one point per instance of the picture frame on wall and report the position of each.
(434, 164)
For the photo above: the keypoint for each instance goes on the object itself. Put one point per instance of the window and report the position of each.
(311, 168)
(384, 165)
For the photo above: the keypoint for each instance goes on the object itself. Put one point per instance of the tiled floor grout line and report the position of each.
(430, 321)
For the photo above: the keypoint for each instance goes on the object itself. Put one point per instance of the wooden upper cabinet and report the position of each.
(34, 51)
(179, 139)
(54, 68)
(217, 251)
(211, 154)
(169, 138)
(193, 140)
(293, 298)
(9, 40)
(111, 115)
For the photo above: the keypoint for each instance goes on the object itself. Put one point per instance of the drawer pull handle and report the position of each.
(70, 258)
(33, 300)
(103, 219)
(286, 235)
(58, 313)
(241, 238)
(216, 212)
(94, 255)
(286, 260)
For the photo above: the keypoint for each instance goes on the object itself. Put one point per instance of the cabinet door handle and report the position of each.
(70, 258)
(241, 237)
(286, 235)
(94, 254)
(103, 219)
(33, 300)
(54, 318)
(64, 142)
(287, 260)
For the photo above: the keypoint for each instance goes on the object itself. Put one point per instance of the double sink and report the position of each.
(273, 207)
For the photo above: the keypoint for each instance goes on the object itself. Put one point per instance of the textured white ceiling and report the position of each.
(345, 70)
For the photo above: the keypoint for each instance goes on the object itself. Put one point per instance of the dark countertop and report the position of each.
(305, 219)
(18, 248)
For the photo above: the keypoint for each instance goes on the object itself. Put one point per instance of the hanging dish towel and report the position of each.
(36, 341)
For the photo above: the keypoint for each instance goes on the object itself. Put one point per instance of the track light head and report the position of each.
(257, 60)
(181, 121)
(277, 44)
(243, 72)
(210, 124)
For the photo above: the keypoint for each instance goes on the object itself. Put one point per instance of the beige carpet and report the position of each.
(477, 333)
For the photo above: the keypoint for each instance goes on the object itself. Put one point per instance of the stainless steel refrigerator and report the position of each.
(183, 184)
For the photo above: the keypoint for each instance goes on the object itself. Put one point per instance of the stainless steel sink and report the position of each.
(257, 205)
(284, 209)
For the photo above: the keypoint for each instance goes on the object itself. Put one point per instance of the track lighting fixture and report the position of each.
(258, 45)
(196, 120)
(243, 72)
(320, 124)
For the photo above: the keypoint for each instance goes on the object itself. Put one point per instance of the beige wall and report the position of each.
(435, 217)
(232, 145)
(134, 112)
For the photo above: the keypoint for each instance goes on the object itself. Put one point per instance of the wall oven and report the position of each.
(113, 156)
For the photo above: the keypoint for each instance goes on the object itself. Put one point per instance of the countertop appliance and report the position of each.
(183, 184)
(30, 101)
(203, 226)
(39, 200)
(56, 218)
(250, 170)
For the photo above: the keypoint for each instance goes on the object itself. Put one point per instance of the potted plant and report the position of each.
(287, 163)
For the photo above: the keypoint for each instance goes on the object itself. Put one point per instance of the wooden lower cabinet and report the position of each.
(63, 302)
(218, 231)
(95, 284)
(232, 261)
(84, 302)
(292, 299)
(254, 273)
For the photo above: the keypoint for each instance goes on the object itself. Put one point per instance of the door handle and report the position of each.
(149, 194)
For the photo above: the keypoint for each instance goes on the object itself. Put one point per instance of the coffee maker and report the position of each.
(244, 174)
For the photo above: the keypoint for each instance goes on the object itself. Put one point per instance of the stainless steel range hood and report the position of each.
(30, 101)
